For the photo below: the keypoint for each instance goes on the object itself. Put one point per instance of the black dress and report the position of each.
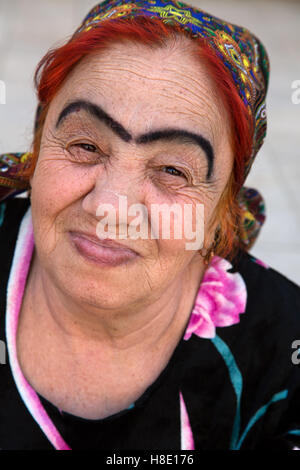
(239, 388)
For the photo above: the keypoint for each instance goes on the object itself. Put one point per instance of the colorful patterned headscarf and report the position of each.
(241, 52)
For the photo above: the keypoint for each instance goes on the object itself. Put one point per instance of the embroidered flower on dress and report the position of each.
(220, 300)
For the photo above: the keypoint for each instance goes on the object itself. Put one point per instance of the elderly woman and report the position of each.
(119, 338)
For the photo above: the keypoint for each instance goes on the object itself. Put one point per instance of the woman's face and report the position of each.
(149, 130)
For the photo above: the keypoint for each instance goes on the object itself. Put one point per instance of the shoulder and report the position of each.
(248, 373)
(269, 328)
(264, 347)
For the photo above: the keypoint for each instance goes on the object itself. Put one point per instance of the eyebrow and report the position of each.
(152, 136)
(96, 111)
(182, 136)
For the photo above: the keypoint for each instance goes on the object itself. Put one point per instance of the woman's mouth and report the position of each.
(105, 252)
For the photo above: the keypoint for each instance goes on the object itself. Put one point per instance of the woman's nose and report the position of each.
(115, 196)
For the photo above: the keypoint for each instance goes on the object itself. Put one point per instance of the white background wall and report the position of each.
(28, 28)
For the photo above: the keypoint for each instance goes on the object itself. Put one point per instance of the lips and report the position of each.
(106, 252)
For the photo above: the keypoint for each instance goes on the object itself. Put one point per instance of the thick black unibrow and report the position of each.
(153, 136)
(183, 136)
(96, 111)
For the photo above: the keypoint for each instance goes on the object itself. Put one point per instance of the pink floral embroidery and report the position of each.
(220, 301)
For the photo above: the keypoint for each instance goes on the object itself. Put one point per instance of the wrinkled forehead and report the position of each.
(144, 87)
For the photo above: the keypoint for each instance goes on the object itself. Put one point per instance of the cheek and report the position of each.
(178, 220)
(200, 210)
(57, 183)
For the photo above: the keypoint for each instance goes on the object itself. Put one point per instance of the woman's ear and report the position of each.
(210, 243)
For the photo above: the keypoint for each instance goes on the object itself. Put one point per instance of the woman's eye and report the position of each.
(173, 171)
(84, 152)
(86, 147)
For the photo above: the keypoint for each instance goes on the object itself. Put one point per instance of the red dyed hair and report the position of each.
(56, 65)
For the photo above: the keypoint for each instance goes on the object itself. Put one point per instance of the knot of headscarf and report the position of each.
(241, 52)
